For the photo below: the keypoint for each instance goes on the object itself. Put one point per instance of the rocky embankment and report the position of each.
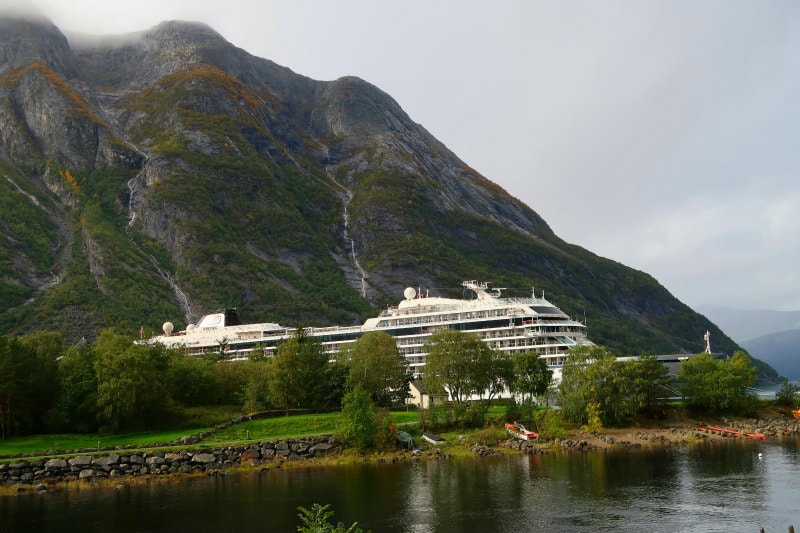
(684, 433)
(90, 465)
(210, 461)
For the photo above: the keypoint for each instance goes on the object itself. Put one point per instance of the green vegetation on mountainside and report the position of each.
(27, 238)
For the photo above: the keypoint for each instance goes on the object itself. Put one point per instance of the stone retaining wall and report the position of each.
(121, 464)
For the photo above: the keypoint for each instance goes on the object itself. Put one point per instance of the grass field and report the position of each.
(283, 427)
(266, 429)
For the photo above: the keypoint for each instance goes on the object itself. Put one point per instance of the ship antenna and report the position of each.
(707, 338)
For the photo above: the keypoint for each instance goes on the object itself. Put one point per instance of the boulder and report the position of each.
(107, 460)
(80, 461)
(54, 465)
(320, 449)
(203, 458)
(249, 454)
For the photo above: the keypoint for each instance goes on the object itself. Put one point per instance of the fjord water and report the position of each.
(710, 487)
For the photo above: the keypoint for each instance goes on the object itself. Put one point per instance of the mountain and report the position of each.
(780, 350)
(746, 324)
(163, 174)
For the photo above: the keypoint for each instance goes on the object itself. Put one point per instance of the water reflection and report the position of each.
(712, 487)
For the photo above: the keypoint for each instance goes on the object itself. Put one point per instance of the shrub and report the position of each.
(317, 520)
(787, 394)
(357, 425)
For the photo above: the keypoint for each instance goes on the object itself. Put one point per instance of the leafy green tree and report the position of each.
(593, 384)
(649, 384)
(193, 381)
(296, 375)
(43, 348)
(28, 381)
(131, 384)
(233, 379)
(532, 377)
(374, 362)
(787, 394)
(458, 362)
(494, 375)
(357, 423)
(256, 390)
(335, 384)
(718, 386)
(76, 405)
(15, 376)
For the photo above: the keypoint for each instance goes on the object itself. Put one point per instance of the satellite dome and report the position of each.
(190, 327)
(409, 293)
(168, 327)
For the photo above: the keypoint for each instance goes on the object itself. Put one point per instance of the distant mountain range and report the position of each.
(780, 350)
(159, 175)
(771, 336)
(744, 325)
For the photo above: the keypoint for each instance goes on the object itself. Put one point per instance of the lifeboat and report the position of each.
(518, 431)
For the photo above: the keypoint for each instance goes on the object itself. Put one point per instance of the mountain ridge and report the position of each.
(193, 175)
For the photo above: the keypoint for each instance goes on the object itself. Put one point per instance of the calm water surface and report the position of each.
(722, 487)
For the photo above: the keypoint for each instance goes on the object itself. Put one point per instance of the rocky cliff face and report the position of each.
(167, 173)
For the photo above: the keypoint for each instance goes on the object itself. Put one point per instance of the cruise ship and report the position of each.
(510, 325)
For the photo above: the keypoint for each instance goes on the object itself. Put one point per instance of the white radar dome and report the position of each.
(168, 327)
(409, 293)
(190, 327)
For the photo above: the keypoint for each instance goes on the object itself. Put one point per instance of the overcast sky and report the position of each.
(662, 134)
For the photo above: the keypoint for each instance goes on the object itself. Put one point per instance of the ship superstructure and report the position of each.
(510, 325)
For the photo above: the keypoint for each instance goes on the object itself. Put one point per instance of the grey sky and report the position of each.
(661, 134)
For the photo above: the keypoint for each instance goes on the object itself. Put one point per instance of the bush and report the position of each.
(787, 394)
(317, 520)
(357, 425)
(386, 430)
(548, 424)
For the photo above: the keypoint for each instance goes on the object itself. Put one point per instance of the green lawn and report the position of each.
(284, 427)
(268, 429)
(42, 443)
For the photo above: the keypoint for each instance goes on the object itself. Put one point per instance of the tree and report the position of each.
(357, 424)
(193, 381)
(532, 377)
(28, 381)
(494, 374)
(458, 362)
(256, 390)
(787, 394)
(75, 409)
(335, 384)
(296, 374)
(593, 384)
(715, 385)
(374, 362)
(14, 379)
(648, 384)
(131, 383)
(43, 348)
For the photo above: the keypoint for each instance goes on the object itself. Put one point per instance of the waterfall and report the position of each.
(347, 197)
(180, 294)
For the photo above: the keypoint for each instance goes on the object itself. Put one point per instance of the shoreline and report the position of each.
(108, 469)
